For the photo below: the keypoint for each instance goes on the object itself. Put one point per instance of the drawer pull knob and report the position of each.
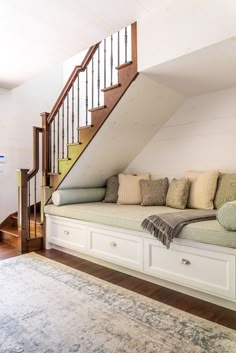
(66, 232)
(112, 243)
(185, 262)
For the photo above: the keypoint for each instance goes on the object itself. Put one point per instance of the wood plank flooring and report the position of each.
(178, 300)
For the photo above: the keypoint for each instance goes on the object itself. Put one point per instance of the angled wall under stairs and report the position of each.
(141, 112)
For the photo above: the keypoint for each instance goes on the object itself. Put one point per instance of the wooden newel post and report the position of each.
(134, 49)
(45, 162)
(45, 150)
(23, 223)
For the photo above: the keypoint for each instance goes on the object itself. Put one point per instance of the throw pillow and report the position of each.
(177, 195)
(112, 189)
(153, 192)
(202, 189)
(226, 189)
(129, 192)
(226, 215)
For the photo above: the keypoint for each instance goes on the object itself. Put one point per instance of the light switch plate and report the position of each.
(2, 158)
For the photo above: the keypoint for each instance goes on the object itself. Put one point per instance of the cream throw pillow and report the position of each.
(202, 189)
(129, 192)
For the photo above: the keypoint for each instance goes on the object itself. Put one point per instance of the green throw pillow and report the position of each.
(153, 192)
(177, 195)
(226, 189)
(226, 215)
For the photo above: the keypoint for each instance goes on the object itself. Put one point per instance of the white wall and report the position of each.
(69, 64)
(183, 26)
(20, 110)
(201, 135)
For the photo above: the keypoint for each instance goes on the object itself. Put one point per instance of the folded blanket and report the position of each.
(166, 226)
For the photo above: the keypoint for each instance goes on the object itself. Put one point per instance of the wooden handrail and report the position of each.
(71, 80)
(34, 171)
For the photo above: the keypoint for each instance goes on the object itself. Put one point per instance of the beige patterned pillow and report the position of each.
(129, 192)
(226, 189)
(177, 195)
(154, 192)
(202, 189)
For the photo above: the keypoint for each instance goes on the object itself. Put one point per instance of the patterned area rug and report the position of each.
(46, 307)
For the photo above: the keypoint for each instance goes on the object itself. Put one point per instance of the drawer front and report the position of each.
(116, 248)
(67, 234)
(205, 270)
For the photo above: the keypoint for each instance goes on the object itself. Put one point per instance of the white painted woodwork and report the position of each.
(116, 247)
(144, 108)
(197, 268)
(69, 234)
(200, 267)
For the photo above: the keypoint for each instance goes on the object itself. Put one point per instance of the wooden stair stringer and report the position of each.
(126, 76)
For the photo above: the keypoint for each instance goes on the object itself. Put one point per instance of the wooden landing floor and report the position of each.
(181, 301)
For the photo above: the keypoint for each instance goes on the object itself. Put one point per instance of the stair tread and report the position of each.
(111, 87)
(52, 174)
(38, 217)
(14, 232)
(84, 127)
(100, 107)
(124, 65)
(64, 159)
(74, 144)
(10, 230)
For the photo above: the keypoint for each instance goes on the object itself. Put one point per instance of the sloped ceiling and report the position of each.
(144, 108)
(35, 35)
(206, 70)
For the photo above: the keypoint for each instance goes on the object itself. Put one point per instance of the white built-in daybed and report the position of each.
(200, 262)
(199, 135)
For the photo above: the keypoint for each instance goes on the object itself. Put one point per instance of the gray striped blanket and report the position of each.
(166, 226)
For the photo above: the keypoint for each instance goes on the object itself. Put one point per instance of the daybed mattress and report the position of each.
(131, 217)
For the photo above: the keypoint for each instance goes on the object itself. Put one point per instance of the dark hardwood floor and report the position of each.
(184, 302)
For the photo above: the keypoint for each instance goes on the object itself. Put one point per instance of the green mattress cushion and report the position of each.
(131, 217)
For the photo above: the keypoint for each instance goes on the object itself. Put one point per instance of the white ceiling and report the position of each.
(34, 35)
(209, 69)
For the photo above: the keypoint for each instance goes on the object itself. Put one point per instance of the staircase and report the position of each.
(91, 93)
(9, 233)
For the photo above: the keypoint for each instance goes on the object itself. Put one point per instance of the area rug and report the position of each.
(46, 307)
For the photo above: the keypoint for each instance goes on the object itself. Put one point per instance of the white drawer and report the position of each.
(208, 271)
(116, 248)
(67, 233)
